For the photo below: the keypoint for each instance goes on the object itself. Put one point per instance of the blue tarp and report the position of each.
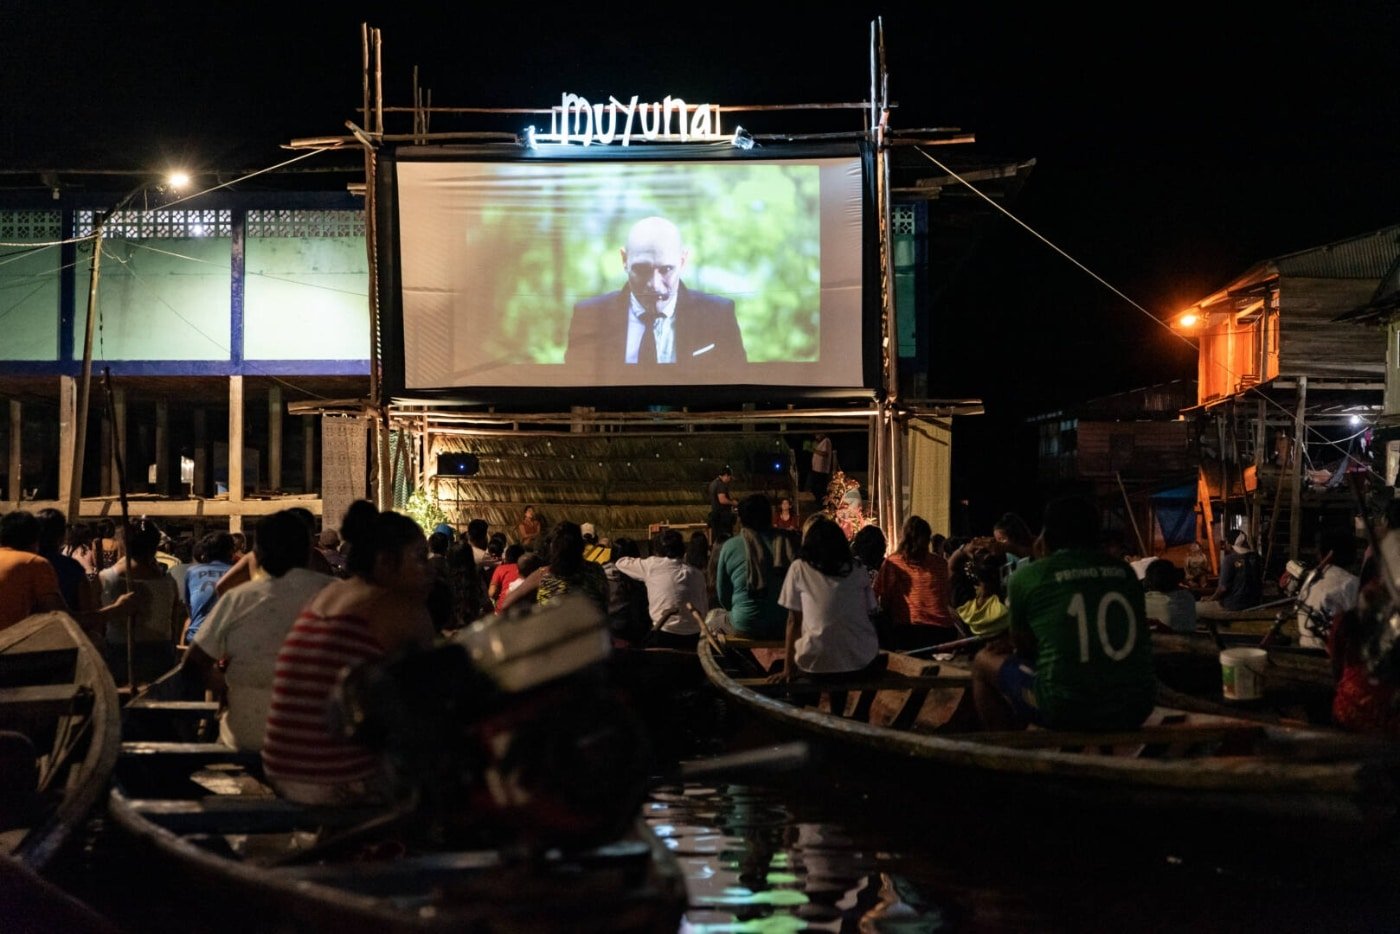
(1176, 514)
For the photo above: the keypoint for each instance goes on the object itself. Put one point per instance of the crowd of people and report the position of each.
(1062, 618)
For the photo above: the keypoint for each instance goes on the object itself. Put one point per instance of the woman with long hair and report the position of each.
(829, 602)
(912, 588)
(379, 609)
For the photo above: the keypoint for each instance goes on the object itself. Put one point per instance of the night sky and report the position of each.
(1176, 145)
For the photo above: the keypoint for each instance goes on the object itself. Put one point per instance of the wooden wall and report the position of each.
(1313, 345)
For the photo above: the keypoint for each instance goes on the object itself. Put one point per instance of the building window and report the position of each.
(36, 226)
(159, 225)
(298, 223)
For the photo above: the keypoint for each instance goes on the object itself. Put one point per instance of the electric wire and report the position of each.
(1108, 285)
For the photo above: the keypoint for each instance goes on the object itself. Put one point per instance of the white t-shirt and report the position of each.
(837, 634)
(153, 623)
(1331, 592)
(1176, 610)
(671, 583)
(247, 626)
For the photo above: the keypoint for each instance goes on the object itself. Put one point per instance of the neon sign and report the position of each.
(576, 120)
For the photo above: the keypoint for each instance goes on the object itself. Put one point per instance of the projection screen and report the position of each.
(550, 273)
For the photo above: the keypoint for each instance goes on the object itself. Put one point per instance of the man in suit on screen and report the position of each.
(655, 324)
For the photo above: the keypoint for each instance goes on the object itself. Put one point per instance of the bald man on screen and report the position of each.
(655, 324)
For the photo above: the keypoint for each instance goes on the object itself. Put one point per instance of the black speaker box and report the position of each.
(458, 465)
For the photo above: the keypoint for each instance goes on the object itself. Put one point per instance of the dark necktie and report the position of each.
(646, 351)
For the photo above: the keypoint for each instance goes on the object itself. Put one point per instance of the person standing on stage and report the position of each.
(823, 463)
(722, 502)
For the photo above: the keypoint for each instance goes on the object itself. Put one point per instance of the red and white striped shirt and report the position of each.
(299, 746)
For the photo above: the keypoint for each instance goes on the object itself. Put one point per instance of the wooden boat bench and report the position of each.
(175, 759)
(239, 814)
(177, 709)
(865, 688)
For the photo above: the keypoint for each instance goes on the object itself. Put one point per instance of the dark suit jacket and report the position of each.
(706, 331)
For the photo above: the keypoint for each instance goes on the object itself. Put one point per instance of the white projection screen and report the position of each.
(515, 273)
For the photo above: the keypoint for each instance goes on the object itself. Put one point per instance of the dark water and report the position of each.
(814, 853)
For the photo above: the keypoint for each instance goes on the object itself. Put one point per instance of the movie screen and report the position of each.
(631, 273)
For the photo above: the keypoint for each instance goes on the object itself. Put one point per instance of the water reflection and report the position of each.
(753, 864)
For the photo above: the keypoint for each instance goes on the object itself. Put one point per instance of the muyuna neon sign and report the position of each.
(672, 120)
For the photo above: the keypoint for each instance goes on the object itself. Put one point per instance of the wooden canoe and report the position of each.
(204, 812)
(1178, 762)
(1298, 683)
(59, 708)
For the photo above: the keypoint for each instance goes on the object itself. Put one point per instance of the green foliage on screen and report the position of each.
(753, 232)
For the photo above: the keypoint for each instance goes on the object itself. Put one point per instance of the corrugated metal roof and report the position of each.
(1367, 256)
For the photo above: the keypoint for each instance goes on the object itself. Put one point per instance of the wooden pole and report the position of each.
(163, 447)
(75, 490)
(1128, 507)
(16, 490)
(235, 447)
(120, 466)
(274, 438)
(200, 483)
(67, 411)
(308, 442)
(1295, 501)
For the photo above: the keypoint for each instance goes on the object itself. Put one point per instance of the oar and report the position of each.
(954, 646)
(785, 757)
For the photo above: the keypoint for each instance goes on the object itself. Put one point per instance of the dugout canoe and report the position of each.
(59, 735)
(203, 813)
(1180, 762)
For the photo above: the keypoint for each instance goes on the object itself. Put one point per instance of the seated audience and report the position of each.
(985, 613)
(829, 602)
(671, 583)
(213, 557)
(1241, 574)
(236, 649)
(750, 570)
(506, 573)
(1332, 590)
(1168, 605)
(378, 610)
(156, 627)
(29, 584)
(912, 589)
(786, 516)
(1083, 658)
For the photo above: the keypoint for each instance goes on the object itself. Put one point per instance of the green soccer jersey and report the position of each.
(1093, 668)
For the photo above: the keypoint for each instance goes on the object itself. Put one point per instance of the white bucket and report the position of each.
(1242, 673)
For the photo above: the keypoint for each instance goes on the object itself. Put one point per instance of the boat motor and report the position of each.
(510, 732)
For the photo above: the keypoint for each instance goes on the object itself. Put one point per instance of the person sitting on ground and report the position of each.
(1332, 590)
(628, 616)
(477, 530)
(72, 577)
(868, 547)
(1197, 567)
(155, 629)
(829, 601)
(378, 610)
(565, 573)
(1241, 574)
(469, 600)
(785, 517)
(1363, 703)
(213, 558)
(236, 649)
(1169, 606)
(750, 571)
(440, 601)
(505, 574)
(912, 590)
(527, 532)
(1013, 540)
(328, 546)
(697, 551)
(671, 583)
(985, 613)
(1083, 658)
(28, 583)
(594, 550)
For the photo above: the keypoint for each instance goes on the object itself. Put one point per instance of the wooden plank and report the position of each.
(40, 700)
(1243, 736)
(191, 755)
(885, 683)
(242, 814)
(174, 710)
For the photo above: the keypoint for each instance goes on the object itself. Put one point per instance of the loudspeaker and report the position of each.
(458, 465)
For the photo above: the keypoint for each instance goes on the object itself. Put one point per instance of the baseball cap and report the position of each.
(587, 529)
(444, 528)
